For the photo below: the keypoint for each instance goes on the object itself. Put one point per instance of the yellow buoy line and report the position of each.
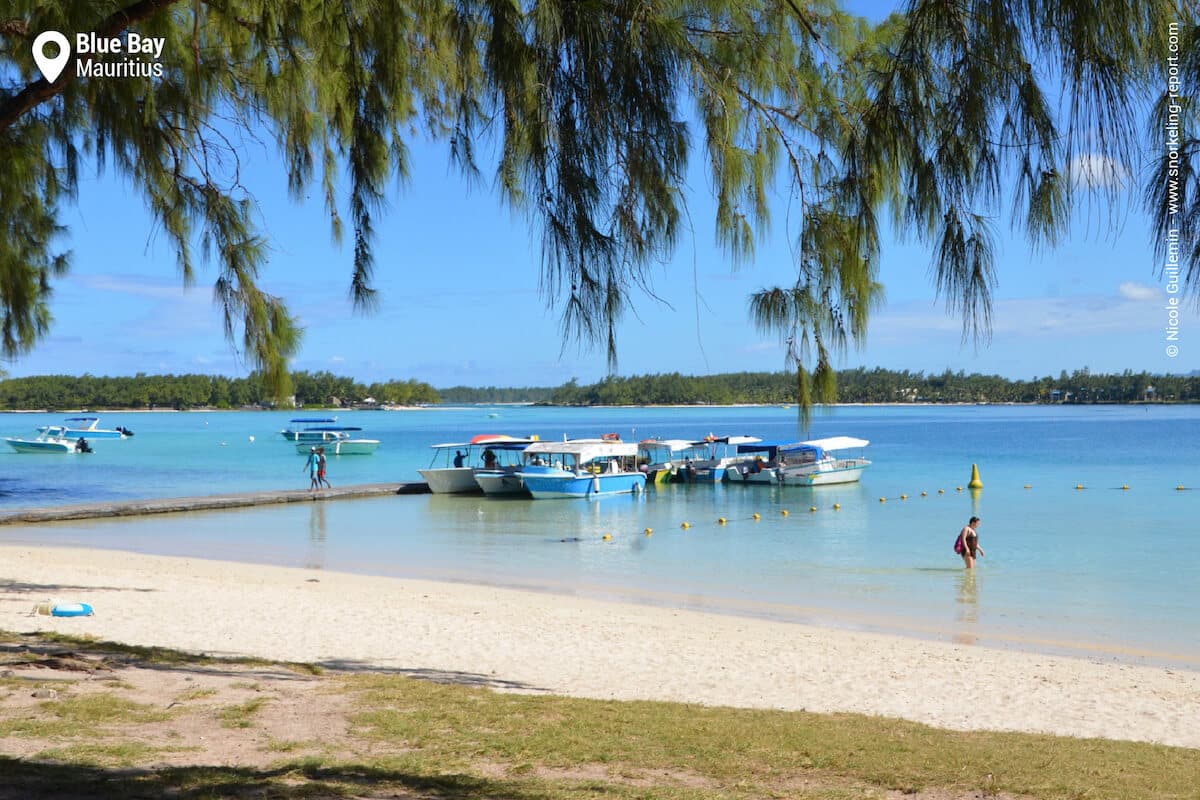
(975, 484)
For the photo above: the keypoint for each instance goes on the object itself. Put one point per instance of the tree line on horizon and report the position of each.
(860, 385)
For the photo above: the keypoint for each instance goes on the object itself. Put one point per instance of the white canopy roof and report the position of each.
(584, 450)
(674, 445)
(837, 443)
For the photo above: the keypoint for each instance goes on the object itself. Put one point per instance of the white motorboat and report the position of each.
(75, 427)
(52, 439)
(500, 473)
(311, 429)
(814, 463)
(337, 440)
(809, 463)
(459, 462)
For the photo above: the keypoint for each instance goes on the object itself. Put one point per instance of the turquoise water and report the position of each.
(1099, 571)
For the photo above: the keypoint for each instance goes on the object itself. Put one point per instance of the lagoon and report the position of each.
(1100, 571)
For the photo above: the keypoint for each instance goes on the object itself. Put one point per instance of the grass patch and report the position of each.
(457, 726)
(241, 715)
(71, 717)
(195, 694)
(121, 754)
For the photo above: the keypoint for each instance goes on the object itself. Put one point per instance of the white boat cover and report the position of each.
(837, 443)
(584, 450)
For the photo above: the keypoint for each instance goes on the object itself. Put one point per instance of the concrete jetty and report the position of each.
(170, 505)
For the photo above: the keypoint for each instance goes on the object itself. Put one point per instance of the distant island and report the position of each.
(324, 389)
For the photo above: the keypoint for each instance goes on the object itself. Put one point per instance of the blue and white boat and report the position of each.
(52, 439)
(338, 440)
(716, 454)
(758, 462)
(809, 463)
(75, 427)
(581, 468)
(311, 429)
(813, 463)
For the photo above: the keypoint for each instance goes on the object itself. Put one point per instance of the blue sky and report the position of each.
(458, 276)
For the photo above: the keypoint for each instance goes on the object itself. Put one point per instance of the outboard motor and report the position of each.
(82, 446)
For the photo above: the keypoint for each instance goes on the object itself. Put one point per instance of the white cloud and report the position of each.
(1137, 291)
(1095, 171)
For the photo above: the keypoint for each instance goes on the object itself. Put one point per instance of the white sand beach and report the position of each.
(589, 648)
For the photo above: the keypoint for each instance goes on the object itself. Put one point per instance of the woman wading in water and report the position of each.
(967, 545)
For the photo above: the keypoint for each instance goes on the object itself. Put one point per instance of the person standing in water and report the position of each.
(969, 538)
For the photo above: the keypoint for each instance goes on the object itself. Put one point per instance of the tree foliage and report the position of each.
(945, 118)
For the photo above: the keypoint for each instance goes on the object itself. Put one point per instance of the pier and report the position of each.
(172, 505)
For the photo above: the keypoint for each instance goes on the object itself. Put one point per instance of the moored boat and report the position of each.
(581, 468)
(456, 475)
(75, 427)
(52, 439)
(718, 452)
(311, 429)
(757, 462)
(337, 440)
(814, 462)
(501, 459)
(664, 458)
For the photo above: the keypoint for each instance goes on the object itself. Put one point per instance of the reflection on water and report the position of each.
(315, 555)
(968, 608)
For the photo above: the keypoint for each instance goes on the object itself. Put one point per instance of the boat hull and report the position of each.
(843, 472)
(555, 484)
(499, 482)
(30, 446)
(452, 480)
(341, 447)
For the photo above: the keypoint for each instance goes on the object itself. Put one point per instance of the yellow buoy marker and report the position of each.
(1125, 487)
(685, 525)
(958, 488)
(1078, 486)
(783, 513)
(975, 482)
(648, 531)
(837, 506)
(924, 494)
(756, 515)
(1179, 488)
(903, 497)
(883, 499)
(607, 537)
(1027, 486)
(812, 508)
(941, 491)
(721, 520)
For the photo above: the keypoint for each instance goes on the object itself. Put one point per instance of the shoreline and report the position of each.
(585, 647)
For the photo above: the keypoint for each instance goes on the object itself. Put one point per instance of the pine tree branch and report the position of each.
(39, 91)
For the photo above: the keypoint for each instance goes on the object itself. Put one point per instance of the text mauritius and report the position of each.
(132, 44)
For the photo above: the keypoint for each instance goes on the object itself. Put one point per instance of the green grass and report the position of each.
(120, 754)
(69, 717)
(424, 740)
(241, 715)
(456, 727)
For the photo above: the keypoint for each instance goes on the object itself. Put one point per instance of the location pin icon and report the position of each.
(51, 66)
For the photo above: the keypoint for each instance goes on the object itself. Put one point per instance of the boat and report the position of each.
(581, 468)
(75, 427)
(813, 463)
(501, 459)
(313, 430)
(717, 453)
(456, 475)
(808, 463)
(336, 440)
(52, 439)
(757, 462)
(664, 458)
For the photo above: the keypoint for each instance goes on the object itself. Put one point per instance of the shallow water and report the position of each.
(1099, 570)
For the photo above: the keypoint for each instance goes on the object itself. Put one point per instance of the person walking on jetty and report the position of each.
(313, 465)
(322, 481)
(967, 543)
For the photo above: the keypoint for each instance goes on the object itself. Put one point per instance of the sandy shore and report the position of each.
(588, 648)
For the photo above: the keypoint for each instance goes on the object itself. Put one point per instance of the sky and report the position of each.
(458, 281)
